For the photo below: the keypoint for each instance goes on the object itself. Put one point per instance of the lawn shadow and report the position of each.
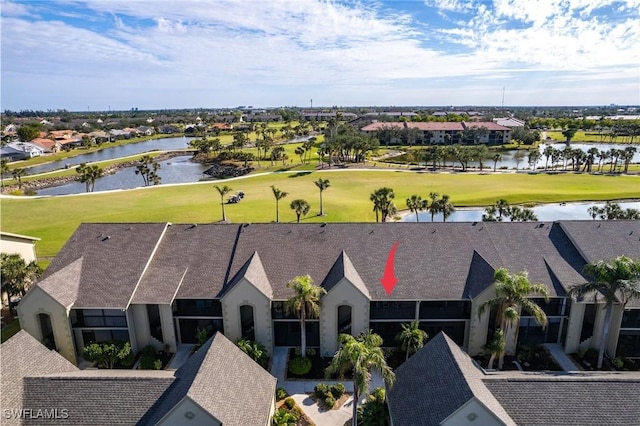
(295, 175)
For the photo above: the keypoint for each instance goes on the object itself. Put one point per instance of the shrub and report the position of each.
(281, 394)
(310, 351)
(337, 390)
(329, 401)
(289, 403)
(107, 354)
(300, 366)
(283, 417)
(320, 390)
(149, 359)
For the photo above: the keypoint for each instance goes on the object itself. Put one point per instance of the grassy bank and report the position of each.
(53, 219)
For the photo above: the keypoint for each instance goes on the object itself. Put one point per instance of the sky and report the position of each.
(102, 55)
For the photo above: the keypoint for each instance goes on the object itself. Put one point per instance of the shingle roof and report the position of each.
(604, 239)
(63, 285)
(100, 399)
(434, 261)
(434, 383)
(343, 268)
(567, 401)
(253, 272)
(114, 255)
(22, 356)
(225, 382)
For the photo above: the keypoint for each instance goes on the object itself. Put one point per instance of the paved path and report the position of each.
(299, 390)
(561, 358)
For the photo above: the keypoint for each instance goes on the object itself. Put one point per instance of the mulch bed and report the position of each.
(318, 366)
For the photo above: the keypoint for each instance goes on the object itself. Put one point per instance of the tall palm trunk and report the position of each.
(605, 333)
(303, 332)
(356, 397)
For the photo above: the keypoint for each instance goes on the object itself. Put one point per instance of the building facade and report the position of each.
(162, 283)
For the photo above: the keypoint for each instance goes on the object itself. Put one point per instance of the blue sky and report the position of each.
(103, 54)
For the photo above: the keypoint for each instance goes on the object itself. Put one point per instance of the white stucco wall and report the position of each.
(478, 326)
(138, 324)
(472, 414)
(168, 331)
(188, 413)
(343, 293)
(576, 316)
(37, 301)
(245, 293)
(16, 245)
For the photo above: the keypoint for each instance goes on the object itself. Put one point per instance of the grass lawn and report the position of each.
(590, 136)
(53, 219)
(10, 330)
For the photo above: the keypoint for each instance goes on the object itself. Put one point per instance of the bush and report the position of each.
(320, 390)
(149, 359)
(310, 351)
(283, 417)
(107, 354)
(329, 402)
(300, 366)
(281, 394)
(289, 403)
(337, 390)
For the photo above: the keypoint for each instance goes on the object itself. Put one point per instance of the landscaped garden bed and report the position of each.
(287, 411)
(318, 366)
(529, 358)
(588, 360)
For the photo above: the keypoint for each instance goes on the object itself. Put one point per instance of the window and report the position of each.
(98, 336)
(454, 329)
(556, 307)
(97, 318)
(388, 331)
(278, 311)
(628, 344)
(631, 318)
(287, 333)
(48, 339)
(189, 328)
(344, 319)
(447, 309)
(246, 322)
(197, 308)
(393, 310)
(155, 324)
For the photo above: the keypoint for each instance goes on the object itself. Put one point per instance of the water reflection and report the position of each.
(544, 212)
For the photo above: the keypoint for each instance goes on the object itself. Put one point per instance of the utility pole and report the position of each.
(503, 97)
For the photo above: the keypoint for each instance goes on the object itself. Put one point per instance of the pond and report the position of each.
(174, 170)
(114, 152)
(544, 212)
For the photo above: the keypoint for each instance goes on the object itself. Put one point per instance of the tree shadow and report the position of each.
(295, 175)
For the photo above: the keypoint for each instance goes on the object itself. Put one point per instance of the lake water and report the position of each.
(544, 212)
(115, 152)
(174, 170)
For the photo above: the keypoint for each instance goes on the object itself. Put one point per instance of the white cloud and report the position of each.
(231, 52)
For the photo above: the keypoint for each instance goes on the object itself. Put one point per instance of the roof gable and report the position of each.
(253, 272)
(343, 268)
(63, 285)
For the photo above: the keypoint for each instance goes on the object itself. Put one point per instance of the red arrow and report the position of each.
(389, 280)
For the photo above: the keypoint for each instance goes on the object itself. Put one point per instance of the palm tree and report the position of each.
(360, 355)
(88, 175)
(496, 157)
(415, 203)
(301, 207)
(496, 346)
(322, 184)
(278, 194)
(4, 169)
(304, 303)
(223, 191)
(618, 281)
(411, 338)
(17, 175)
(548, 153)
(502, 208)
(383, 203)
(445, 207)
(16, 275)
(434, 207)
(511, 297)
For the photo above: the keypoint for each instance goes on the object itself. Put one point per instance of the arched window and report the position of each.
(46, 329)
(344, 319)
(246, 322)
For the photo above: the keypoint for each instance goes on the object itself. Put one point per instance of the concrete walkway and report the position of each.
(561, 358)
(299, 390)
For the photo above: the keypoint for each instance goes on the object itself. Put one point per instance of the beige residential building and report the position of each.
(162, 283)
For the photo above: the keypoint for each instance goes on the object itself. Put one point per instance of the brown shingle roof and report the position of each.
(23, 356)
